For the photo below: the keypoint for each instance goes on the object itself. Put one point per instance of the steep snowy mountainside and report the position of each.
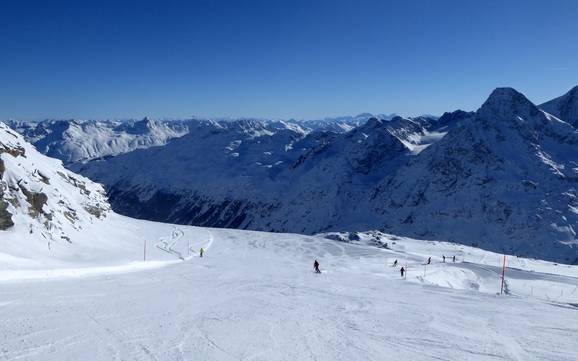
(247, 174)
(53, 221)
(564, 107)
(75, 141)
(330, 184)
(215, 175)
(40, 197)
(420, 132)
(504, 180)
(212, 154)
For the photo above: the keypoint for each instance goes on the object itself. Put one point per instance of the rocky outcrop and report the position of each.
(37, 200)
(5, 216)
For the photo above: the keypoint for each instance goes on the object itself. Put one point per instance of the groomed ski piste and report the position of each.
(254, 296)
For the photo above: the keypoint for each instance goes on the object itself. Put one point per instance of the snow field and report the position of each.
(254, 296)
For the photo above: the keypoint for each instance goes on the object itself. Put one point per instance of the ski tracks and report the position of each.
(118, 341)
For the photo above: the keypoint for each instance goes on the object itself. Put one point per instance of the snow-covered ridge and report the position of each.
(564, 107)
(78, 141)
(81, 140)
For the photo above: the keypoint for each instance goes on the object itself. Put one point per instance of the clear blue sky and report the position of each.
(293, 58)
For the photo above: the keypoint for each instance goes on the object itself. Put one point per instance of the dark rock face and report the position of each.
(37, 201)
(5, 216)
(190, 209)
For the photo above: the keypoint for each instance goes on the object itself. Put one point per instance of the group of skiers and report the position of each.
(402, 270)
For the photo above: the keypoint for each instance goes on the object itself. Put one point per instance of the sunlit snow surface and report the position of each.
(254, 297)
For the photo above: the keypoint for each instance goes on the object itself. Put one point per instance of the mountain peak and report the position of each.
(373, 122)
(504, 94)
(573, 90)
(507, 102)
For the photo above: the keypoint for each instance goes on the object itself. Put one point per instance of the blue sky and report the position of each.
(283, 59)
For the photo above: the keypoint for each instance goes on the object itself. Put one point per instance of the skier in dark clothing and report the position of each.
(454, 259)
(444, 257)
(316, 267)
(394, 263)
(429, 260)
(402, 271)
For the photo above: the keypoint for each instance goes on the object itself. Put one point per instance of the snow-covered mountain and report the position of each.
(52, 218)
(341, 124)
(504, 179)
(262, 175)
(79, 141)
(564, 107)
(501, 178)
(74, 141)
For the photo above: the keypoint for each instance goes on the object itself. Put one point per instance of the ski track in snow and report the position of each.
(254, 297)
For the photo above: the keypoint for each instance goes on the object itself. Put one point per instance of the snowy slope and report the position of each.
(254, 297)
(53, 218)
(504, 180)
(564, 107)
(43, 198)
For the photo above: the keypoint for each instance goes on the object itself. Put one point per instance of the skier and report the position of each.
(402, 271)
(316, 266)
(394, 263)
(454, 259)
(429, 260)
(444, 257)
(201, 252)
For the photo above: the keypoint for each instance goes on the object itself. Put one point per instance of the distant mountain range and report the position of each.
(503, 178)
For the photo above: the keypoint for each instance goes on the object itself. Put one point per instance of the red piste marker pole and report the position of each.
(503, 274)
